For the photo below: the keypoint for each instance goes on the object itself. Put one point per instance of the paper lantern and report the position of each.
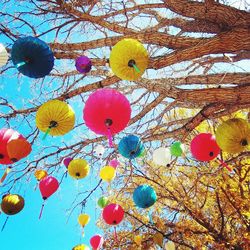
(128, 59)
(169, 245)
(96, 242)
(18, 149)
(233, 135)
(13, 146)
(78, 168)
(48, 186)
(204, 147)
(102, 112)
(83, 219)
(55, 118)
(99, 150)
(130, 146)
(162, 156)
(81, 247)
(12, 204)
(114, 163)
(83, 64)
(144, 196)
(113, 214)
(32, 57)
(40, 174)
(66, 161)
(107, 173)
(177, 149)
(138, 239)
(103, 202)
(3, 55)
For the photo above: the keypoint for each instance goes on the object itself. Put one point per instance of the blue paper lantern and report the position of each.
(32, 57)
(130, 146)
(144, 196)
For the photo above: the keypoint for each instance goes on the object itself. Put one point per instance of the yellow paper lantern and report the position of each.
(169, 245)
(138, 239)
(128, 59)
(81, 247)
(12, 204)
(78, 168)
(107, 173)
(40, 174)
(83, 219)
(233, 135)
(55, 118)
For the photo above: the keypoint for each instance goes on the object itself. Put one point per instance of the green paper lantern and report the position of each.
(176, 149)
(103, 202)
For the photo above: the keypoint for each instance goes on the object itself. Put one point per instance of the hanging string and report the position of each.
(41, 211)
(4, 223)
(110, 138)
(7, 170)
(224, 165)
(46, 133)
(136, 68)
(115, 235)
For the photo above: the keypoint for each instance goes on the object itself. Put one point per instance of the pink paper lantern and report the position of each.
(114, 163)
(96, 242)
(107, 112)
(113, 214)
(6, 135)
(204, 147)
(48, 186)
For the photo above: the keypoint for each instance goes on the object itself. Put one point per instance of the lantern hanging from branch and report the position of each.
(144, 196)
(102, 112)
(130, 146)
(47, 186)
(78, 168)
(107, 173)
(55, 118)
(233, 135)
(128, 59)
(3, 55)
(32, 57)
(96, 242)
(204, 148)
(11, 204)
(83, 64)
(162, 156)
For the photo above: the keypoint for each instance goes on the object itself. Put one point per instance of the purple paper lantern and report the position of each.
(66, 161)
(83, 64)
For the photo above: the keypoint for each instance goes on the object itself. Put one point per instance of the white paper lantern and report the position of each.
(3, 55)
(162, 156)
(99, 150)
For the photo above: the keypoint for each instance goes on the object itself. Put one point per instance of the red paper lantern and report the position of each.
(48, 186)
(96, 242)
(204, 147)
(107, 112)
(113, 214)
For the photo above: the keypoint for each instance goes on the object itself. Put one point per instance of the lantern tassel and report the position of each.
(5, 223)
(225, 165)
(41, 211)
(115, 235)
(18, 65)
(136, 68)
(150, 217)
(7, 170)
(110, 138)
(46, 133)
